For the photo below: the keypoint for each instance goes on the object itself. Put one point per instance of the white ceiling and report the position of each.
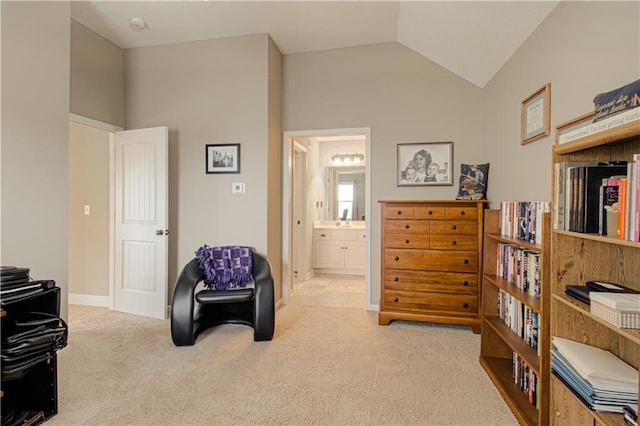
(470, 38)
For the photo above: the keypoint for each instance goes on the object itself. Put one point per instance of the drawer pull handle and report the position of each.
(462, 213)
(323, 235)
(396, 258)
(465, 283)
(454, 227)
(395, 299)
(399, 212)
(453, 243)
(396, 279)
(430, 213)
(465, 305)
(406, 241)
(466, 261)
(407, 226)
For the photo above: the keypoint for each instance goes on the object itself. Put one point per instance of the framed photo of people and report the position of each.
(425, 164)
(223, 158)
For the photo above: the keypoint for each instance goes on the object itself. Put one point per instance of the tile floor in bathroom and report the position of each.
(345, 291)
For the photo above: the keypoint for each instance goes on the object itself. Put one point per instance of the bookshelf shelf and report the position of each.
(578, 258)
(629, 333)
(499, 342)
(499, 371)
(599, 238)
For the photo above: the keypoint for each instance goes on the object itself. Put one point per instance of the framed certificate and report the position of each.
(535, 115)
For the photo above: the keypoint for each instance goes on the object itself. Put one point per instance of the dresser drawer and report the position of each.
(433, 260)
(452, 227)
(429, 213)
(397, 212)
(445, 282)
(416, 241)
(406, 226)
(464, 213)
(430, 302)
(454, 242)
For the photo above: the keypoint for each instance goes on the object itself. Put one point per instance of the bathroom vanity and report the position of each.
(339, 247)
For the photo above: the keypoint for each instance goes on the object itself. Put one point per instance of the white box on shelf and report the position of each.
(619, 309)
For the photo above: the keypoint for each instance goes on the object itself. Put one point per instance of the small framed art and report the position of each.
(535, 115)
(425, 163)
(223, 158)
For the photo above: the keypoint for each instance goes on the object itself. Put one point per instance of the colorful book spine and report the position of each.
(622, 209)
(636, 195)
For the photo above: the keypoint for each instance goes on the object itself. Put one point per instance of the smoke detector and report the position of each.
(137, 24)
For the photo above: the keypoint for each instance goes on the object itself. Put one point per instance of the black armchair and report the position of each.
(254, 307)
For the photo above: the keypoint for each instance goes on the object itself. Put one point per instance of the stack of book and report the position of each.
(619, 309)
(523, 219)
(583, 292)
(598, 378)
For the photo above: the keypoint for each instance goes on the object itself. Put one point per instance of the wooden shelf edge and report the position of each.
(499, 372)
(515, 241)
(598, 238)
(530, 301)
(615, 135)
(629, 333)
(515, 342)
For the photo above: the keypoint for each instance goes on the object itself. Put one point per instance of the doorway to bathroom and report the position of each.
(326, 187)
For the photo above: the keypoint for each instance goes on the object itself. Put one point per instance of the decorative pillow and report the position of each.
(473, 181)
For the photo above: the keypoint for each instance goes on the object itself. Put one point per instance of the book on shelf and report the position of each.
(601, 380)
(631, 414)
(593, 176)
(583, 292)
(621, 231)
(607, 202)
(610, 122)
(634, 199)
(562, 188)
(523, 219)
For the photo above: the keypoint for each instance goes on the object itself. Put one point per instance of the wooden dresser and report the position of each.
(431, 261)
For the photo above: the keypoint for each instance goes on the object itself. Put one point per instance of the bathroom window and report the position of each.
(345, 200)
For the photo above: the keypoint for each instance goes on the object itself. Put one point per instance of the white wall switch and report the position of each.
(237, 188)
(87, 209)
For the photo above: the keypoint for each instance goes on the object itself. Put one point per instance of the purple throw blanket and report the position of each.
(225, 267)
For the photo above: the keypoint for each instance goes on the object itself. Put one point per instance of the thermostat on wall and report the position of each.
(237, 188)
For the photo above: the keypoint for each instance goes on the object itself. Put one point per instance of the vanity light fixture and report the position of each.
(347, 159)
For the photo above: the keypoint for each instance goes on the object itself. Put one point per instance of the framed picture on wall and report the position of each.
(425, 164)
(223, 158)
(536, 115)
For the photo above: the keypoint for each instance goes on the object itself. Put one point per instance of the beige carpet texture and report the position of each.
(324, 366)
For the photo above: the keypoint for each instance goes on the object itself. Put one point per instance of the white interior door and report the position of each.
(141, 221)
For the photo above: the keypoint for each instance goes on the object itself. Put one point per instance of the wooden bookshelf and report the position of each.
(578, 258)
(498, 341)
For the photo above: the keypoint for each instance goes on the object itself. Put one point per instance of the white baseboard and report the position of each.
(89, 300)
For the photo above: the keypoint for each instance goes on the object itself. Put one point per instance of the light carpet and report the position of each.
(324, 366)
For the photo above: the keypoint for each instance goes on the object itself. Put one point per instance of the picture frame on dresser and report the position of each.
(425, 164)
(535, 115)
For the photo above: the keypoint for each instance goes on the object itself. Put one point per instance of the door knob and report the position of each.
(159, 232)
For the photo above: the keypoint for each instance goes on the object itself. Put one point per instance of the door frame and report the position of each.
(287, 207)
(111, 129)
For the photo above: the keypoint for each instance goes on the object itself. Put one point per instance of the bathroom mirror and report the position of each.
(346, 193)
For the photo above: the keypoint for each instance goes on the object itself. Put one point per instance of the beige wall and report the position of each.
(97, 77)
(88, 234)
(402, 97)
(35, 110)
(212, 92)
(582, 48)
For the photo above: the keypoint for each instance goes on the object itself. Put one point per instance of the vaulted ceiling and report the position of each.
(473, 39)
